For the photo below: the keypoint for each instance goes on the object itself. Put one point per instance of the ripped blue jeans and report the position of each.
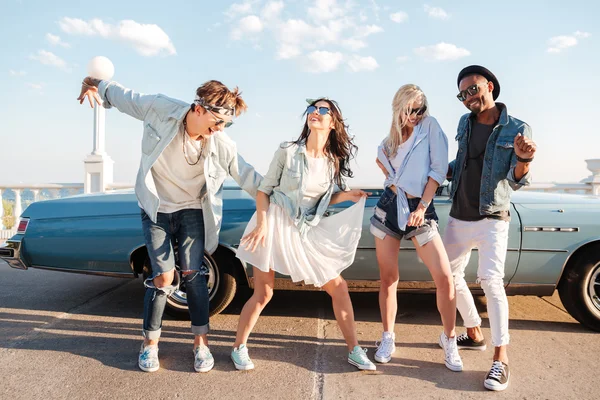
(185, 228)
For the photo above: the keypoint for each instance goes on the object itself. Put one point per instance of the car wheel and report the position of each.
(221, 288)
(579, 288)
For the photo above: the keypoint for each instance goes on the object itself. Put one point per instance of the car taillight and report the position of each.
(23, 222)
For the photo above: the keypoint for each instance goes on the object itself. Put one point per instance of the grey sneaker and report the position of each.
(385, 348)
(452, 358)
(498, 377)
(203, 360)
(148, 358)
(241, 359)
(358, 358)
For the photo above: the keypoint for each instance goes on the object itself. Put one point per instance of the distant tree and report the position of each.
(8, 220)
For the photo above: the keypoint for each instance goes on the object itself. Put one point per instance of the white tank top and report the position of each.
(317, 181)
(403, 150)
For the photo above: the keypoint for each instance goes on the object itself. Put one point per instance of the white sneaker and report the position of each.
(452, 358)
(148, 358)
(203, 359)
(385, 348)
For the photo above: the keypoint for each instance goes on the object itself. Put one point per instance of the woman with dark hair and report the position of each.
(289, 232)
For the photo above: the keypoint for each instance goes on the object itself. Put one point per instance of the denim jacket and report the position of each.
(498, 175)
(428, 158)
(162, 117)
(285, 184)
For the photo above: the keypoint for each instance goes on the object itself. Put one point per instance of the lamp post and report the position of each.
(98, 165)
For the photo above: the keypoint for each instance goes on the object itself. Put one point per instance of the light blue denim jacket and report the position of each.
(498, 175)
(428, 158)
(162, 117)
(285, 184)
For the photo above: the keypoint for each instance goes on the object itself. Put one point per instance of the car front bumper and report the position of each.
(11, 253)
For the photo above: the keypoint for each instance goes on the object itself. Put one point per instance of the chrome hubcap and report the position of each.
(212, 281)
(593, 291)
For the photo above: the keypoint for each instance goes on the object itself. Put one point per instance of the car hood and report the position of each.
(118, 202)
(527, 197)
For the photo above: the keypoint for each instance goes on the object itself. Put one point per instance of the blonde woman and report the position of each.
(414, 159)
(290, 234)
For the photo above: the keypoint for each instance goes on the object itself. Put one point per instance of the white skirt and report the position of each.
(326, 250)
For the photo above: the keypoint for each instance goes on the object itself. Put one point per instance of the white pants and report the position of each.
(490, 237)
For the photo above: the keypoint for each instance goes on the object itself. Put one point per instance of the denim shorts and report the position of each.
(184, 228)
(385, 220)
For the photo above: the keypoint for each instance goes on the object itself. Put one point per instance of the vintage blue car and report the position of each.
(554, 244)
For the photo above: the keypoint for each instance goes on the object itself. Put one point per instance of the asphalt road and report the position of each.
(77, 337)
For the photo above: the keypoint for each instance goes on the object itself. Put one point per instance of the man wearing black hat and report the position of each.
(494, 154)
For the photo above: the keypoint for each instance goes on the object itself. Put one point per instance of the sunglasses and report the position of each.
(219, 121)
(471, 91)
(322, 110)
(419, 111)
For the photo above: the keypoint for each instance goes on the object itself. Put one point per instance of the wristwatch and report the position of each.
(424, 203)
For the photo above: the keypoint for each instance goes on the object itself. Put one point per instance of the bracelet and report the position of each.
(524, 160)
(424, 204)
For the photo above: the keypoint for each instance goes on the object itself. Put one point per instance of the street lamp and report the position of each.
(98, 164)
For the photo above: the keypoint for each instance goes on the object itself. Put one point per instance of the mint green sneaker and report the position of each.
(240, 358)
(203, 359)
(358, 358)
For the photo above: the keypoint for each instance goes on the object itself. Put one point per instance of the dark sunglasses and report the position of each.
(471, 91)
(218, 121)
(418, 111)
(322, 110)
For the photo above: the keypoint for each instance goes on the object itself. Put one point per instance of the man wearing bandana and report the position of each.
(186, 156)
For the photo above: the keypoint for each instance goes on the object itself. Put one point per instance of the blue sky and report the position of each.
(545, 54)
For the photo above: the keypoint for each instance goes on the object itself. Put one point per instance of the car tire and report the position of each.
(579, 288)
(221, 287)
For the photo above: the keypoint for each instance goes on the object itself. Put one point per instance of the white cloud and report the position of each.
(272, 10)
(12, 72)
(436, 12)
(402, 59)
(36, 86)
(332, 25)
(442, 52)
(376, 9)
(582, 35)
(56, 40)
(147, 39)
(237, 9)
(323, 61)
(48, 58)
(557, 44)
(325, 10)
(358, 63)
(399, 17)
(354, 44)
(364, 31)
(249, 25)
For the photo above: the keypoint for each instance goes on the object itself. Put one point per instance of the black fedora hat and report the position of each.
(479, 70)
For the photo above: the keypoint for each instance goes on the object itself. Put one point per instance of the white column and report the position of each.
(1, 211)
(98, 165)
(594, 166)
(36, 194)
(18, 210)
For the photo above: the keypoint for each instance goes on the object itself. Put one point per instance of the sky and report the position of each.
(544, 53)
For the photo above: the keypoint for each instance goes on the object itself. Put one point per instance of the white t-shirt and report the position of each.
(317, 181)
(180, 185)
(403, 150)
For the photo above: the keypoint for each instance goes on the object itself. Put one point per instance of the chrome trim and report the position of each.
(85, 272)
(14, 260)
(551, 229)
(416, 287)
(562, 271)
(545, 250)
